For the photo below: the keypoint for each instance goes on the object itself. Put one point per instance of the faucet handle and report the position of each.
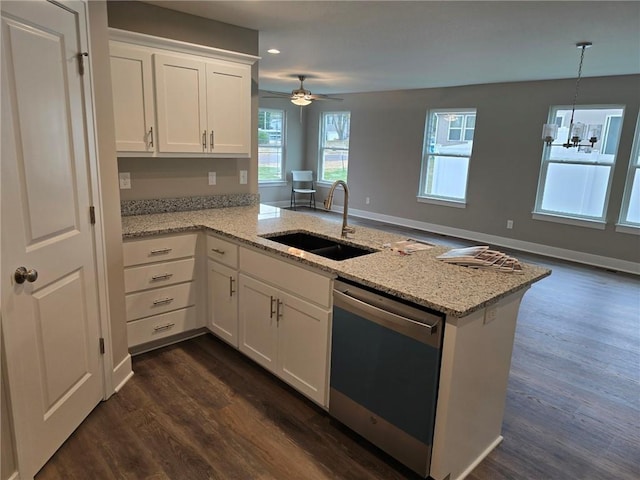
(348, 229)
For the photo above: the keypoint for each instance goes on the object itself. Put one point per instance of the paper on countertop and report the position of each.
(408, 246)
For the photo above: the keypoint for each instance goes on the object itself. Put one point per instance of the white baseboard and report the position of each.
(523, 246)
(122, 373)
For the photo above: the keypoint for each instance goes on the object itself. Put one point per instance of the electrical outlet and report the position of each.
(212, 178)
(509, 224)
(125, 180)
(243, 177)
(490, 314)
(367, 200)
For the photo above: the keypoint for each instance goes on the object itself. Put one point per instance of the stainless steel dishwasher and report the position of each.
(385, 365)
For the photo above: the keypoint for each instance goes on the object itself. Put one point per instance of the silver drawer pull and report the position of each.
(160, 251)
(163, 301)
(217, 250)
(160, 328)
(164, 276)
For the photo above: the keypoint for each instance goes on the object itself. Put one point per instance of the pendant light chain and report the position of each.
(575, 97)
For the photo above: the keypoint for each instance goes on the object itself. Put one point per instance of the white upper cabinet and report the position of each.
(229, 107)
(133, 106)
(201, 97)
(181, 100)
(203, 107)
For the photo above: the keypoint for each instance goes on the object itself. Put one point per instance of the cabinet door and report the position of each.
(133, 105)
(258, 321)
(303, 346)
(181, 104)
(229, 108)
(223, 302)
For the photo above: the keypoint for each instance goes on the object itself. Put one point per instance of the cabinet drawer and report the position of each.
(222, 251)
(300, 281)
(160, 300)
(158, 249)
(158, 274)
(160, 326)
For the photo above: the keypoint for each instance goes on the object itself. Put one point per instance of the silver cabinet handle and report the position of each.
(164, 276)
(217, 250)
(272, 311)
(279, 310)
(162, 301)
(160, 251)
(211, 140)
(22, 274)
(204, 140)
(150, 137)
(160, 328)
(231, 290)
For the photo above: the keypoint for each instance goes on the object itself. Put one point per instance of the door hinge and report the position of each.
(92, 214)
(81, 56)
(102, 345)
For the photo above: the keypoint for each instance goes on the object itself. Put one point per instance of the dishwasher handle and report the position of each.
(422, 332)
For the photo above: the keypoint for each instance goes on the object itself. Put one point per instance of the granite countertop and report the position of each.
(419, 277)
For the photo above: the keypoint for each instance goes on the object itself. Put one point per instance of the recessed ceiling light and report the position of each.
(274, 51)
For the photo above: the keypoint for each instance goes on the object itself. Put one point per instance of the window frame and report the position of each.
(563, 217)
(624, 225)
(322, 147)
(423, 196)
(281, 146)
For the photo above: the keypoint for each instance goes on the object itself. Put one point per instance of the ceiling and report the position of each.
(364, 46)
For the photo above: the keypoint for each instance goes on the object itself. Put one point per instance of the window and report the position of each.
(334, 146)
(630, 213)
(574, 182)
(271, 145)
(448, 142)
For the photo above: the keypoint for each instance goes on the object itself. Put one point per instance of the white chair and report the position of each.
(302, 183)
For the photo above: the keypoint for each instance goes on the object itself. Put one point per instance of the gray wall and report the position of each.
(177, 177)
(295, 152)
(387, 131)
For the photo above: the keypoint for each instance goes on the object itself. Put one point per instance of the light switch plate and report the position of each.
(125, 180)
(243, 177)
(212, 178)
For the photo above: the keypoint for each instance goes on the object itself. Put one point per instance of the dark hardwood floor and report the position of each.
(200, 410)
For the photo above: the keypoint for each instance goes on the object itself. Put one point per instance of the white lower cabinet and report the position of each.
(283, 332)
(223, 302)
(161, 288)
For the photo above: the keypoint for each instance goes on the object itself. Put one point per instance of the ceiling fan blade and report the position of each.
(323, 97)
(278, 94)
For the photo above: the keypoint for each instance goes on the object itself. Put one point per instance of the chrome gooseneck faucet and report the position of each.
(329, 200)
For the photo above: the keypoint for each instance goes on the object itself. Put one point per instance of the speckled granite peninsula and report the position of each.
(420, 278)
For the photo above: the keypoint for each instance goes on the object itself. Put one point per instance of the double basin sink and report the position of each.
(322, 246)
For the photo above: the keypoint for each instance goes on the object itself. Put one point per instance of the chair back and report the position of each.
(302, 175)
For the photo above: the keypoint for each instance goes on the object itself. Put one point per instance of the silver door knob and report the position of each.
(22, 275)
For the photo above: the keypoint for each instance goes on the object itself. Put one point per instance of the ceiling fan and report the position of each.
(301, 96)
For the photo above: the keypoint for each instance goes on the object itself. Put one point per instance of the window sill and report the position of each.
(578, 222)
(272, 184)
(632, 229)
(444, 203)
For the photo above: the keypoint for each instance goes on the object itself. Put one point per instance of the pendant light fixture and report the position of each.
(550, 130)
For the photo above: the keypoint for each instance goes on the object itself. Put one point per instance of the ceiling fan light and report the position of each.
(300, 101)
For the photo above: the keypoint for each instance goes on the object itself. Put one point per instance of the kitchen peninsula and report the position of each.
(479, 306)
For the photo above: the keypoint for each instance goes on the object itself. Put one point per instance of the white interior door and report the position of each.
(50, 324)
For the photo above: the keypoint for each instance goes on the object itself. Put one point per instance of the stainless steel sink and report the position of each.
(325, 247)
